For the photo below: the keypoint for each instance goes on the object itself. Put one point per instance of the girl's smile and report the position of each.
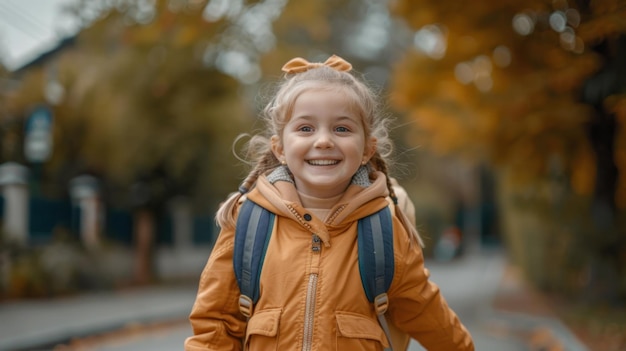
(324, 142)
(322, 162)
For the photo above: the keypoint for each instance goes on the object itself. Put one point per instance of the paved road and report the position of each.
(140, 338)
(155, 318)
(468, 284)
(41, 323)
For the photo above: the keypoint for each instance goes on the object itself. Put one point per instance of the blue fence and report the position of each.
(50, 216)
(205, 230)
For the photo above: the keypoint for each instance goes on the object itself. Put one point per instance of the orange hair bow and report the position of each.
(299, 65)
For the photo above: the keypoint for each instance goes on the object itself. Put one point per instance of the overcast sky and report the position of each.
(30, 27)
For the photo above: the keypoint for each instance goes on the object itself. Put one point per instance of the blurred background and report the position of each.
(116, 135)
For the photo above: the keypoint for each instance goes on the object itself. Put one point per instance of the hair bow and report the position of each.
(299, 65)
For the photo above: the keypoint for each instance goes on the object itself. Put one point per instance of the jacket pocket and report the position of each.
(359, 332)
(262, 330)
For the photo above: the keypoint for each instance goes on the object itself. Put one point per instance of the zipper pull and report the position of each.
(316, 244)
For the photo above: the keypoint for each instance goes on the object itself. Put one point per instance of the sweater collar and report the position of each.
(282, 173)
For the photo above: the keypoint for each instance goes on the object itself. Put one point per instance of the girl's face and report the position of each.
(323, 143)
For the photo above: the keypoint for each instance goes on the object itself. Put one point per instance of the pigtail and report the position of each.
(379, 164)
(225, 216)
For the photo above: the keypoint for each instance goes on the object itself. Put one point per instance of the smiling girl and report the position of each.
(321, 167)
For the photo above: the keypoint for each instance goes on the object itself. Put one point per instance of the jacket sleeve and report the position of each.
(417, 305)
(215, 319)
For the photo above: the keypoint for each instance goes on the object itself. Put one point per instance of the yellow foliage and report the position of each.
(310, 15)
(186, 36)
(607, 22)
(616, 104)
(573, 72)
(530, 110)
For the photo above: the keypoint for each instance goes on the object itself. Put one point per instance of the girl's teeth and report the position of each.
(323, 162)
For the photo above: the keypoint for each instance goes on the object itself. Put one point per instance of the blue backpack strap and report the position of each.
(376, 261)
(252, 234)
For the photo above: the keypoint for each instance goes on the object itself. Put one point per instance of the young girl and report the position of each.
(320, 169)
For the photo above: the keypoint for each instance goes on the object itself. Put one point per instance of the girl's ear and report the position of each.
(370, 149)
(277, 147)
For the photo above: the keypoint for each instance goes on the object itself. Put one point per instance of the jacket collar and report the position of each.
(276, 192)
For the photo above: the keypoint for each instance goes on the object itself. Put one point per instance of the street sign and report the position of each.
(38, 135)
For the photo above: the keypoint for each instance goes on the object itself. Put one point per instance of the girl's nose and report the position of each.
(323, 141)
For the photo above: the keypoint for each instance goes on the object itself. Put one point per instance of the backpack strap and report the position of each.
(252, 234)
(376, 261)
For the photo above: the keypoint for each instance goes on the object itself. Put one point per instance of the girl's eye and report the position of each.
(342, 129)
(305, 129)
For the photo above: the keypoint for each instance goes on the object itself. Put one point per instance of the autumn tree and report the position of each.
(7, 122)
(144, 109)
(536, 90)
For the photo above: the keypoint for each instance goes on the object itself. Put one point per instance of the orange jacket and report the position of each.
(314, 299)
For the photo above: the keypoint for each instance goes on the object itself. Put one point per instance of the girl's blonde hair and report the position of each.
(276, 115)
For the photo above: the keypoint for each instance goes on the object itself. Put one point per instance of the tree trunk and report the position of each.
(605, 240)
(144, 234)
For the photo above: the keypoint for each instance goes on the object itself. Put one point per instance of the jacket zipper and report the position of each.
(309, 311)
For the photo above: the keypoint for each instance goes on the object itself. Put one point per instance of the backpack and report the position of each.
(375, 253)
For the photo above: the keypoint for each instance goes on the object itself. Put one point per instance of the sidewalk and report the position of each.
(40, 324)
(522, 313)
(472, 285)
(496, 306)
